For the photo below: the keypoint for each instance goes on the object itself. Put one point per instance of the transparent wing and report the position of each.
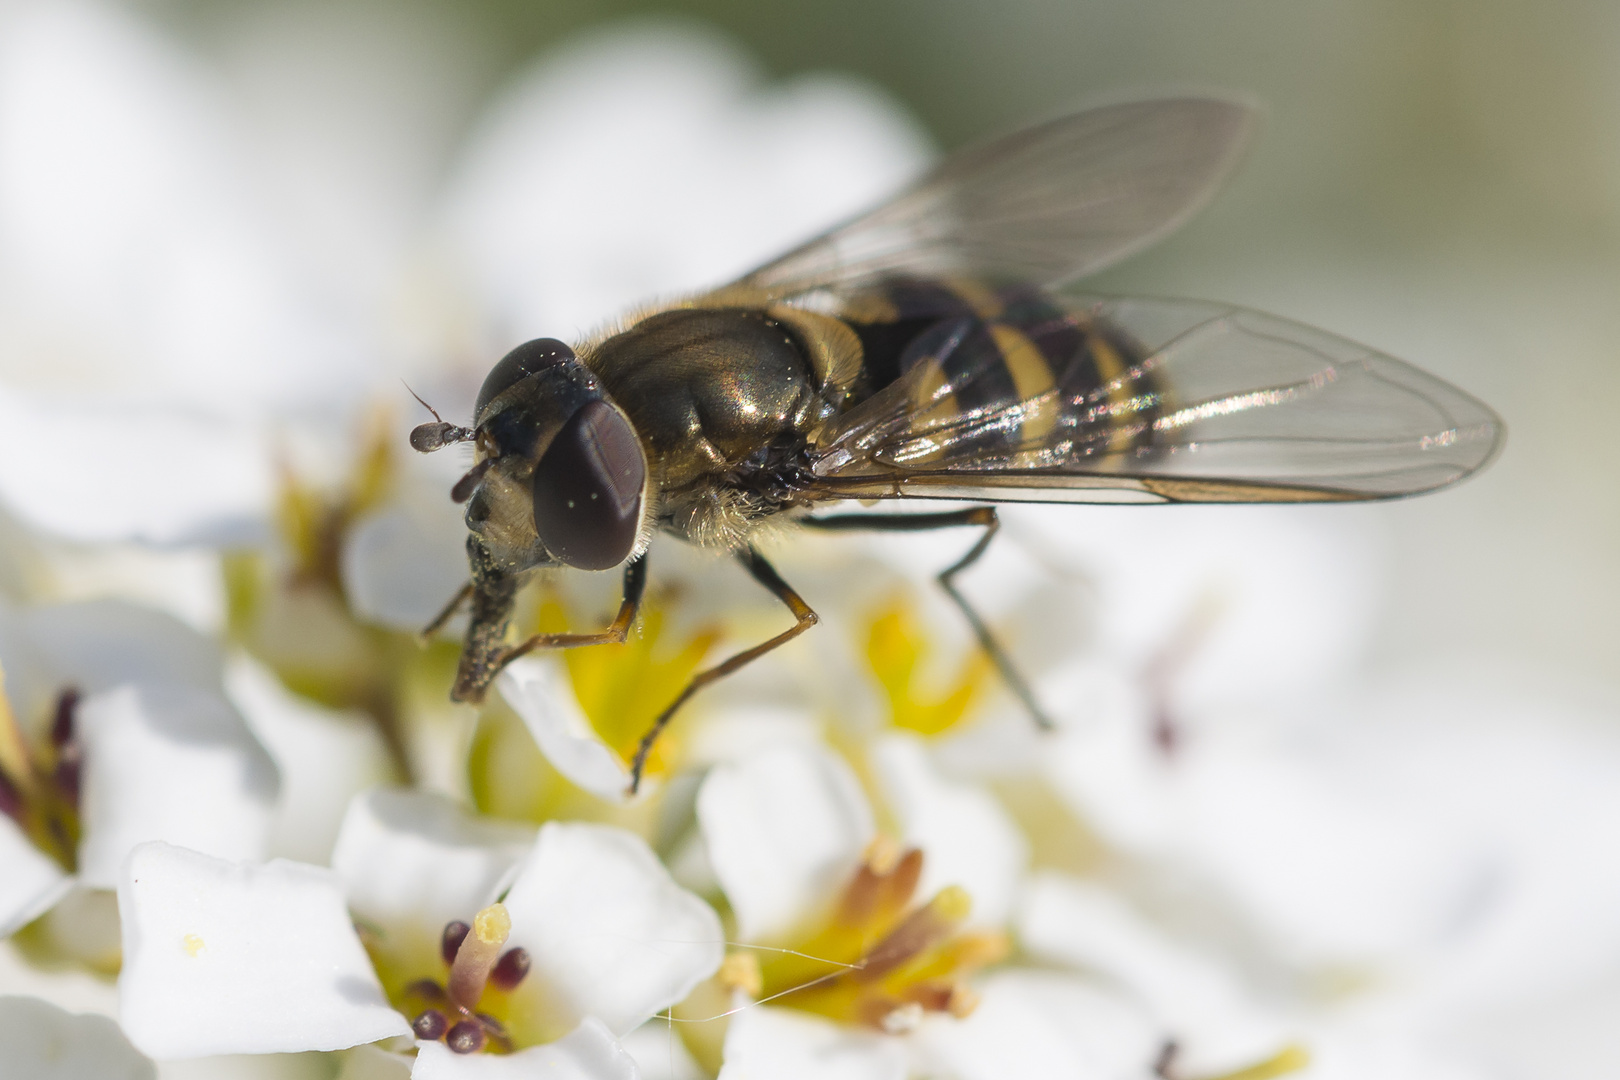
(1155, 400)
(1044, 205)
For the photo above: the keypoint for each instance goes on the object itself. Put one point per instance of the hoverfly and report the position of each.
(929, 350)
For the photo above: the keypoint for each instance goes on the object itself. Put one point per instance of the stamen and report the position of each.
(740, 971)
(510, 969)
(427, 990)
(454, 934)
(430, 1025)
(928, 924)
(477, 956)
(11, 802)
(882, 885)
(467, 1037)
(964, 999)
(67, 704)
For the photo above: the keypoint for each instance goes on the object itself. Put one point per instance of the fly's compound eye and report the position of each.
(520, 363)
(587, 489)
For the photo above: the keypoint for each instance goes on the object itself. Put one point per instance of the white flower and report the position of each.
(594, 939)
(124, 736)
(859, 942)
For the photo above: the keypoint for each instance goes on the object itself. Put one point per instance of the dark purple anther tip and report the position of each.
(454, 934)
(66, 776)
(467, 1037)
(11, 803)
(67, 703)
(430, 1025)
(510, 968)
(427, 990)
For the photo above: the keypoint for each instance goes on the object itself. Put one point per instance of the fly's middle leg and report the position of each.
(986, 518)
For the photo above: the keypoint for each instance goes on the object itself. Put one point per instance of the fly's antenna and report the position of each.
(426, 438)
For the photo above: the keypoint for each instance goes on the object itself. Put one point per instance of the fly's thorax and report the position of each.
(561, 474)
(709, 387)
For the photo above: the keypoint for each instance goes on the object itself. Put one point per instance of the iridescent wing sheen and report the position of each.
(1042, 205)
(1128, 400)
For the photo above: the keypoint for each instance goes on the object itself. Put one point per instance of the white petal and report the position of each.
(223, 958)
(1039, 1024)
(30, 881)
(403, 563)
(606, 926)
(324, 757)
(1194, 999)
(763, 1043)
(413, 859)
(207, 480)
(966, 836)
(374, 1063)
(589, 1052)
(1285, 595)
(538, 692)
(784, 829)
(38, 1041)
(744, 172)
(170, 762)
(659, 1052)
(72, 988)
(1329, 870)
(98, 645)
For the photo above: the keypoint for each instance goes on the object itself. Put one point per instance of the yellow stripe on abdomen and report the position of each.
(1033, 379)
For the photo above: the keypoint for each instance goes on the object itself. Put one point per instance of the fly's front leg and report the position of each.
(445, 613)
(486, 652)
(764, 573)
(982, 516)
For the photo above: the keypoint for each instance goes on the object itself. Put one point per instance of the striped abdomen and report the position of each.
(1012, 378)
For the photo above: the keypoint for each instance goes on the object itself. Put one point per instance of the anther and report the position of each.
(477, 955)
(510, 969)
(67, 705)
(430, 1025)
(11, 802)
(427, 990)
(467, 1037)
(740, 971)
(924, 927)
(454, 934)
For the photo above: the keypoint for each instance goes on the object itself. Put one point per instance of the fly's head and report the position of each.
(560, 476)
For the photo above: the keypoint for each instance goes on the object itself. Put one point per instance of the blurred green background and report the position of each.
(1438, 178)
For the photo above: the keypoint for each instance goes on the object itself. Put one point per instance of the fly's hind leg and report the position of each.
(986, 518)
(764, 573)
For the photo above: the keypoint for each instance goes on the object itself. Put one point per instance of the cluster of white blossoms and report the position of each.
(243, 831)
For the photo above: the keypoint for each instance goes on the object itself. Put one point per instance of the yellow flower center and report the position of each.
(896, 651)
(474, 995)
(39, 780)
(623, 688)
(878, 959)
